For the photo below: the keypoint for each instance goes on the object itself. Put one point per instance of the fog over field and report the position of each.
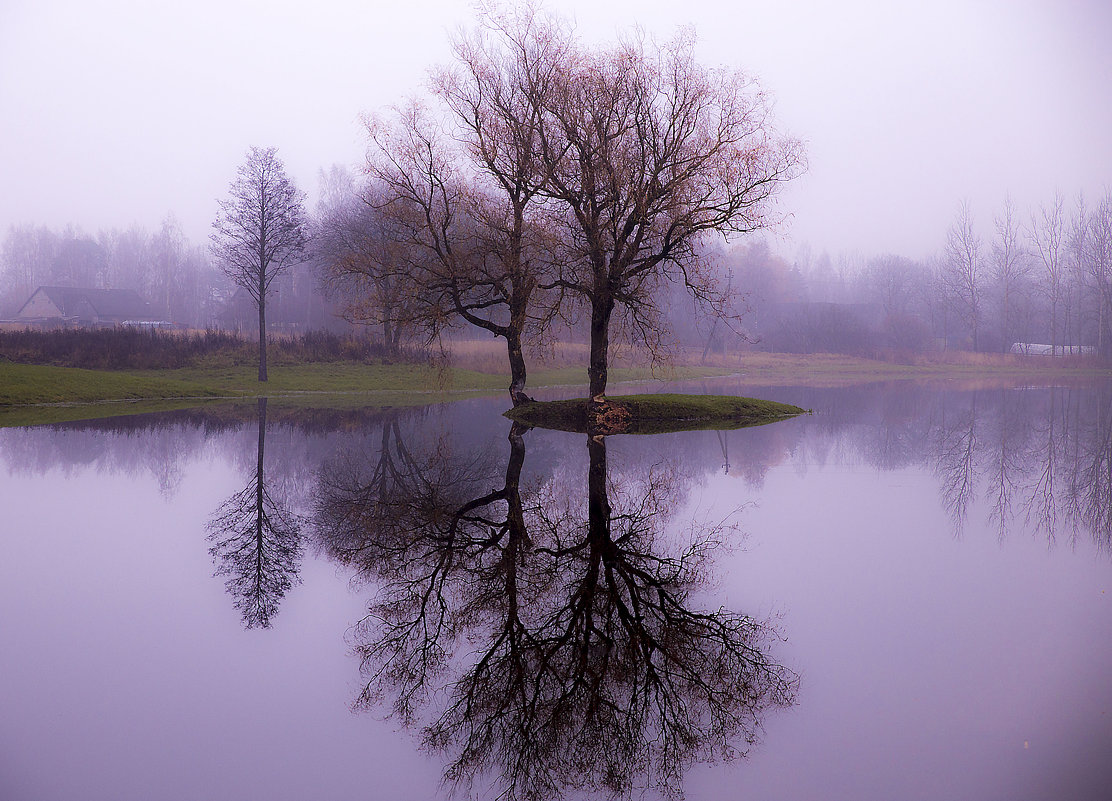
(118, 113)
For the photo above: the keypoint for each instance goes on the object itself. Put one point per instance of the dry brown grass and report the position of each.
(489, 355)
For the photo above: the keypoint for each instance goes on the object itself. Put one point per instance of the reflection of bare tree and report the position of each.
(1008, 434)
(1041, 487)
(1047, 452)
(1090, 485)
(955, 460)
(256, 543)
(567, 651)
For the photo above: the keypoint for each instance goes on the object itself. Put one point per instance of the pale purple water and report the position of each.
(940, 564)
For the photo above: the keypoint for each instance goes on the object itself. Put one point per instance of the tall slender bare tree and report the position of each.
(1009, 266)
(1046, 235)
(963, 270)
(1098, 266)
(260, 231)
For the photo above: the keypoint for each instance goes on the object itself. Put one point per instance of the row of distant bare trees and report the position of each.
(1041, 275)
(1062, 255)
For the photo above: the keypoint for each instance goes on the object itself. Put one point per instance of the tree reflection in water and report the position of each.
(537, 649)
(256, 543)
(1042, 454)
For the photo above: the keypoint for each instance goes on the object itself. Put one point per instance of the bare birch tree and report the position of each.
(1008, 264)
(1046, 235)
(962, 273)
(1098, 265)
(260, 231)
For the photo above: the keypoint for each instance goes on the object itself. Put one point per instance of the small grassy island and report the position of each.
(653, 414)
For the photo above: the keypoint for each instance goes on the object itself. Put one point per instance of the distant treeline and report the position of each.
(135, 349)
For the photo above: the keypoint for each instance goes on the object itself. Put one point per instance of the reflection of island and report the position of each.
(256, 543)
(567, 649)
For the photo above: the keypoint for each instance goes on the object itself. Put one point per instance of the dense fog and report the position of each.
(1042, 276)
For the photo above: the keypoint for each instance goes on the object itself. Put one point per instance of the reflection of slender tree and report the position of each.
(955, 462)
(1091, 484)
(1042, 488)
(1008, 435)
(588, 667)
(256, 543)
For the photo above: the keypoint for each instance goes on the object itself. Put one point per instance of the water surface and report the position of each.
(902, 595)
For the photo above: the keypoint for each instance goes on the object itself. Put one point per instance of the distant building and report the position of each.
(77, 306)
(1039, 349)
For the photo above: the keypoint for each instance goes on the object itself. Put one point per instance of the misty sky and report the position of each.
(116, 112)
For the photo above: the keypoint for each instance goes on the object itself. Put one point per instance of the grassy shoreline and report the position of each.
(42, 393)
(31, 394)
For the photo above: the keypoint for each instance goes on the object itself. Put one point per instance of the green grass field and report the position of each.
(32, 394)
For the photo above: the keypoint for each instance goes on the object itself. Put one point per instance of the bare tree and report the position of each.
(646, 153)
(1008, 264)
(592, 172)
(26, 256)
(466, 214)
(260, 231)
(357, 253)
(1098, 266)
(963, 269)
(1078, 244)
(1046, 235)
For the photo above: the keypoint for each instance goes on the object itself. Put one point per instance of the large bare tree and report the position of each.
(459, 191)
(1098, 268)
(645, 154)
(260, 231)
(559, 170)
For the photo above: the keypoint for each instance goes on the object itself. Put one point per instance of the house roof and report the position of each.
(124, 304)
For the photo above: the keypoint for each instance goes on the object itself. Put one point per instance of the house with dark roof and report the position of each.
(77, 306)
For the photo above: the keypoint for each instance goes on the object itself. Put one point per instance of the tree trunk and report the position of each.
(517, 368)
(601, 308)
(260, 490)
(262, 334)
(515, 512)
(598, 502)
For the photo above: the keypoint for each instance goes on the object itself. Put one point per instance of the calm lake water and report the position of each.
(906, 594)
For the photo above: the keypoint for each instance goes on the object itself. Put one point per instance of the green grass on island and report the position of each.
(654, 414)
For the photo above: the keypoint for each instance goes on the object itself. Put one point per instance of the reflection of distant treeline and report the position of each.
(1040, 454)
(164, 443)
